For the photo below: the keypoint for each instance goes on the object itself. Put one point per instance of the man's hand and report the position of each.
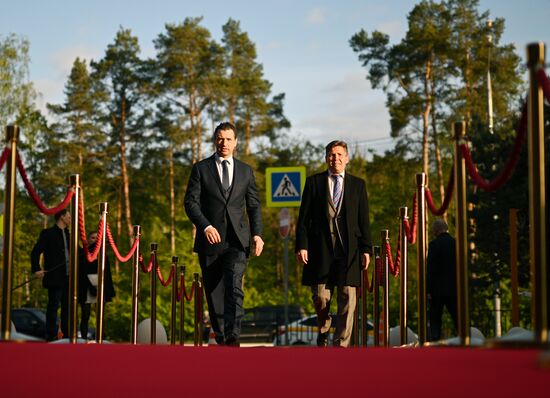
(258, 245)
(301, 256)
(39, 274)
(212, 235)
(365, 260)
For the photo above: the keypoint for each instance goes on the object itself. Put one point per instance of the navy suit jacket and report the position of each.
(206, 204)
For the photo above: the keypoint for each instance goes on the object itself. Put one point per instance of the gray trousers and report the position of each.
(346, 301)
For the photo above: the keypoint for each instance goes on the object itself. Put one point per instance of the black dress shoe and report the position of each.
(322, 339)
(232, 341)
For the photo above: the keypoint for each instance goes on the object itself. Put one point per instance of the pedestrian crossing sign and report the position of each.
(284, 186)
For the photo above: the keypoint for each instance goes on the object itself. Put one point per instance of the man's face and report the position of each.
(225, 143)
(66, 218)
(92, 238)
(337, 159)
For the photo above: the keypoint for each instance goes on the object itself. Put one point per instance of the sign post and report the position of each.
(284, 187)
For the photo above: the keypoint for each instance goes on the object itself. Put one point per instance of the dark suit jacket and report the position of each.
(50, 242)
(313, 229)
(441, 266)
(206, 204)
(85, 268)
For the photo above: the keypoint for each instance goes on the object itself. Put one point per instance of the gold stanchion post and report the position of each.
(173, 317)
(74, 181)
(385, 238)
(135, 287)
(403, 277)
(537, 196)
(376, 301)
(462, 273)
(100, 305)
(12, 132)
(421, 256)
(182, 305)
(154, 248)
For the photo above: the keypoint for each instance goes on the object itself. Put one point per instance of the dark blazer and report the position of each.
(206, 204)
(85, 268)
(50, 242)
(313, 229)
(441, 266)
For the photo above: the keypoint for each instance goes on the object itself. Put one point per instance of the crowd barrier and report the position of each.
(530, 126)
(10, 157)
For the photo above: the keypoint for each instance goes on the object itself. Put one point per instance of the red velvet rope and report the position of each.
(394, 269)
(446, 199)
(544, 82)
(34, 195)
(115, 249)
(410, 229)
(503, 177)
(190, 297)
(170, 276)
(149, 265)
(4, 157)
(90, 257)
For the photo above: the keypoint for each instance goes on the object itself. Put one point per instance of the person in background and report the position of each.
(87, 291)
(333, 242)
(441, 277)
(53, 244)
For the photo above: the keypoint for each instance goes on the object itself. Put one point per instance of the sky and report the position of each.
(303, 46)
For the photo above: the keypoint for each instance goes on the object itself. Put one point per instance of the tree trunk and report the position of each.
(438, 160)
(425, 119)
(248, 134)
(118, 225)
(124, 171)
(172, 201)
(194, 141)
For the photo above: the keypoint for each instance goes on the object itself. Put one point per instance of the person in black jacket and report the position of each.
(87, 291)
(441, 277)
(53, 243)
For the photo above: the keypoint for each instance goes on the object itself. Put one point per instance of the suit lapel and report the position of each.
(215, 174)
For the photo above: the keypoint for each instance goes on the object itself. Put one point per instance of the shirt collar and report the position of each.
(342, 174)
(219, 159)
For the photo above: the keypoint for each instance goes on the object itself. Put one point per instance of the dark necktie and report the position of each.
(225, 176)
(337, 190)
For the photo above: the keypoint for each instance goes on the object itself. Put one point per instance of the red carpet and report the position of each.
(126, 371)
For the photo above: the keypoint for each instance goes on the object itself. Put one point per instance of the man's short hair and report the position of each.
(224, 126)
(60, 213)
(439, 226)
(334, 143)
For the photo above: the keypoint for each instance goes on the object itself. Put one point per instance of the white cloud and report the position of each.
(395, 29)
(63, 59)
(316, 16)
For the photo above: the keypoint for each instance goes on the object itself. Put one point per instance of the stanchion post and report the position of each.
(201, 310)
(537, 195)
(197, 309)
(12, 132)
(421, 256)
(173, 318)
(385, 238)
(154, 248)
(182, 305)
(364, 292)
(459, 131)
(514, 265)
(135, 286)
(74, 181)
(103, 209)
(376, 301)
(404, 276)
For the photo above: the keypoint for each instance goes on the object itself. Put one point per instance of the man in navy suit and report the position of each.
(222, 202)
(333, 241)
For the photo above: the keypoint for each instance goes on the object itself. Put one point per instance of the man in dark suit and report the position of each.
(53, 243)
(333, 241)
(222, 202)
(441, 277)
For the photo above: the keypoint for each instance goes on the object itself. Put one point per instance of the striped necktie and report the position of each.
(337, 190)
